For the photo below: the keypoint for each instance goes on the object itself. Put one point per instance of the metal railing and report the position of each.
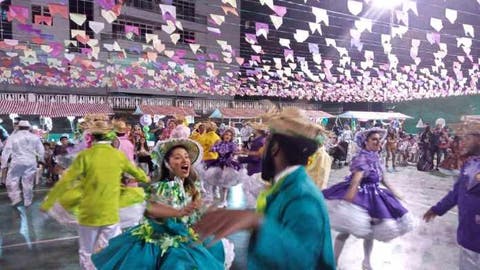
(131, 102)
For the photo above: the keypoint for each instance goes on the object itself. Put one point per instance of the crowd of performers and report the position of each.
(437, 149)
(171, 212)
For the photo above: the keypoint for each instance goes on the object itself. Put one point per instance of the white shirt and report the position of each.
(285, 173)
(180, 132)
(245, 133)
(24, 148)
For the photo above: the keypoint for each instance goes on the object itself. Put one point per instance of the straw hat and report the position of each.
(120, 126)
(294, 122)
(258, 126)
(195, 151)
(211, 125)
(197, 125)
(468, 127)
(100, 127)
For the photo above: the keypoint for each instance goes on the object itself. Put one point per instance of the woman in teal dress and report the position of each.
(165, 240)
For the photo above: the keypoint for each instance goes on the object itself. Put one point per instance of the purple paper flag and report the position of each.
(106, 4)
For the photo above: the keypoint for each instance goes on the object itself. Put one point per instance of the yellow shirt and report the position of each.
(99, 169)
(319, 167)
(195, 136)
(207, 141)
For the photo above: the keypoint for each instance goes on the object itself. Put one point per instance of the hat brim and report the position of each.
(471, 127)
(360, 138)
(195, 151)
(259, 126)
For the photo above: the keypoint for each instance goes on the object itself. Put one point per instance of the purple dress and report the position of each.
(375, 212)
(254, 163)
(466, 195)
(224, 171)
(225, 152)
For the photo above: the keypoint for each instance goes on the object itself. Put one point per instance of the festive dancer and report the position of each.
(391, 149)
(25, 150)
(453, 161)
(224, 172)
(165, 239)
(253, 185)
(207, 141)
(291, 229)
(466, 196)
(360, 207)
(132, 198)
(98, 211)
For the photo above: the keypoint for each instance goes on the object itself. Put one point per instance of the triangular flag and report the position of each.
(355, 7)
(277, 21)
(77, 18)
(451, 15)
(96, 27)
(194, 47)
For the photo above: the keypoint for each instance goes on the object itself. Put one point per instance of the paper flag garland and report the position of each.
(96, 27)
(451, 15)
(436, 24)
(468, 30)
(218, 19)
(77, 18)
(108, 15)
(284, 42)
(261, 29)
(171, 10)
(320, 15)
(315, 27)
(301, 35)
(279, 10)
(277, 21)
(354, 7)
(232, 3)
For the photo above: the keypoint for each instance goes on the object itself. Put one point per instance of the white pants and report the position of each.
(26, 174)
(469, 260)
(88, 238)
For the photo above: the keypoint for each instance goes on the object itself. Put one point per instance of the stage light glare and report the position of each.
(387, 4)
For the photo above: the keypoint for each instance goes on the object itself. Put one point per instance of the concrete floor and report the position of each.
(34, 241)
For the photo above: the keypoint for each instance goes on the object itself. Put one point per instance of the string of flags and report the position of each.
(372, 61)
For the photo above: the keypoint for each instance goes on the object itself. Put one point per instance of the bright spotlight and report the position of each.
(387, 4)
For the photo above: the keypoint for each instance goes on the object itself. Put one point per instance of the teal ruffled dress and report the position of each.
(162, 244)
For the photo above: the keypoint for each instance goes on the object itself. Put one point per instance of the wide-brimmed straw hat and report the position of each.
(100, 127)
(467, 127)
(294, 122)
(258, 126)
(211, 125)
(195, 151)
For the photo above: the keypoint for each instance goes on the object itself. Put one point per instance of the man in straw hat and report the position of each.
(122, 141)
(290, 229)
(100, 169)
(465, 195)
(181, 131)
(25, 150)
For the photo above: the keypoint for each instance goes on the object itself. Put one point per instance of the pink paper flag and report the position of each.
(261, 29)
(279, 10)
(132, 29)
(58, 9)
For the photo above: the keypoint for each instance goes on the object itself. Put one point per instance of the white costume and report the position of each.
(25, 149)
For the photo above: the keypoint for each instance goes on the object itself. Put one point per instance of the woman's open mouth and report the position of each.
(185, 169)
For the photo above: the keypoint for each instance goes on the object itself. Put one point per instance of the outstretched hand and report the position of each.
(221, 223)
(429, 215)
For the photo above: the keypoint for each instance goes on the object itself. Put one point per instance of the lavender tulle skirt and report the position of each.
(375, 212)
